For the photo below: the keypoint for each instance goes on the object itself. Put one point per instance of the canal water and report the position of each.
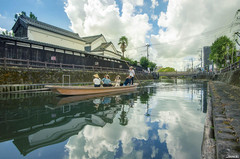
(162, 120)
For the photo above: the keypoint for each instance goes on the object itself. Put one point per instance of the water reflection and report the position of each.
(162, 120)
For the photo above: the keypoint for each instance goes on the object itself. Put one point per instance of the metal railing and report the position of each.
(231, 67)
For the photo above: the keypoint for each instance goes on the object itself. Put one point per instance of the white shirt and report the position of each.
(131, 72)
(97, 81)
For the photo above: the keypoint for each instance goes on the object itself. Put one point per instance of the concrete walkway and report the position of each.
(226, 119)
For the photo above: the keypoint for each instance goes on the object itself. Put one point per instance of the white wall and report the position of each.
(97, 53)
(98, 42)
(111, 54)
(40, 35)
(111, 48)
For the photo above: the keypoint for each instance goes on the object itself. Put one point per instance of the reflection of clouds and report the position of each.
(182, 121)
(94, 142)
(154, 151)
(177, 124)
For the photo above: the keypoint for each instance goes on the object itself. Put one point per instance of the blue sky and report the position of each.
(48, 11)
(174, 28)
(52, 12)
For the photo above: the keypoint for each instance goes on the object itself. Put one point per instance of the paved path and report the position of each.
(226, 119)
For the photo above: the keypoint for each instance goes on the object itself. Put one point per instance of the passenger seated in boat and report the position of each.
(96, 81)
(117, 81)
(127, 81)
(107, 82)
(104, 78)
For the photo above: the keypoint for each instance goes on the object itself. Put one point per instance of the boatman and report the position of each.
(131, 73)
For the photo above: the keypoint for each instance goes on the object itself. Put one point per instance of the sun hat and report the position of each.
(96, 76)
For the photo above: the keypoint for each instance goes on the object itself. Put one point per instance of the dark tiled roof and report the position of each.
(90, 39)
(29, 21)
(102, 47)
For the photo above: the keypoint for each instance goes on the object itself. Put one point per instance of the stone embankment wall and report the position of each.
(18, 79)
(231, 77)
(221, 130)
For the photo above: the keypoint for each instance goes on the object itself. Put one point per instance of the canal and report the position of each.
(162, 120)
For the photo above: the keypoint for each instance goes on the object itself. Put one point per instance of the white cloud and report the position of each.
(91, 17)
(181, 27)
(185, 21)
(154, 17)
(154, 3)
(134, 2)
(1, 30)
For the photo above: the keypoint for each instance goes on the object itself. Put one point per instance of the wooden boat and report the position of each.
(89, 90)
(77, 99)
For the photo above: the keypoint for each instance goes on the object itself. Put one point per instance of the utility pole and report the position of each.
(236, 35)
(147, 50)
(192, 64)
(201, 58)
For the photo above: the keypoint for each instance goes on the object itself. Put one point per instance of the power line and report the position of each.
(203, 36)
(207, 33)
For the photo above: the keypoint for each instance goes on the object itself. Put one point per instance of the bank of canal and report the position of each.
(162, 120)
(223, 127)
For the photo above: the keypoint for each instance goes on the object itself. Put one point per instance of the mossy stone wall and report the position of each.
(45, 76)
(231, 77)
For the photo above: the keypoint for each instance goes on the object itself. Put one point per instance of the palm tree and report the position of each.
(123, 42)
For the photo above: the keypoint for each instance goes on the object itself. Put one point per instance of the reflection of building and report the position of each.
(204, 97)
(44, 125)
(206, 62)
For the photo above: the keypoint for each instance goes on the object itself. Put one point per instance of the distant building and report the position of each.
(207, 64)
(35, 30)
(98, 45)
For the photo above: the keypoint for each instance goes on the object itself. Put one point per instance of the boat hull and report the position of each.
(88, 90)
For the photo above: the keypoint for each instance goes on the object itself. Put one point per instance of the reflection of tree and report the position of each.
(123, 120)
(131, 103)
(145, 93)
(144, 97)
(147, 113)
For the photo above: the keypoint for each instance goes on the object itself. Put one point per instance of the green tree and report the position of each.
(144, 62)
(7, 33)
(167, 69)
(152, 65)
(31, 15)
(221, 50)
(131, 61)
(123, 42)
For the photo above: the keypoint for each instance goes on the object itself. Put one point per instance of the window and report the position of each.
(88, 48)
